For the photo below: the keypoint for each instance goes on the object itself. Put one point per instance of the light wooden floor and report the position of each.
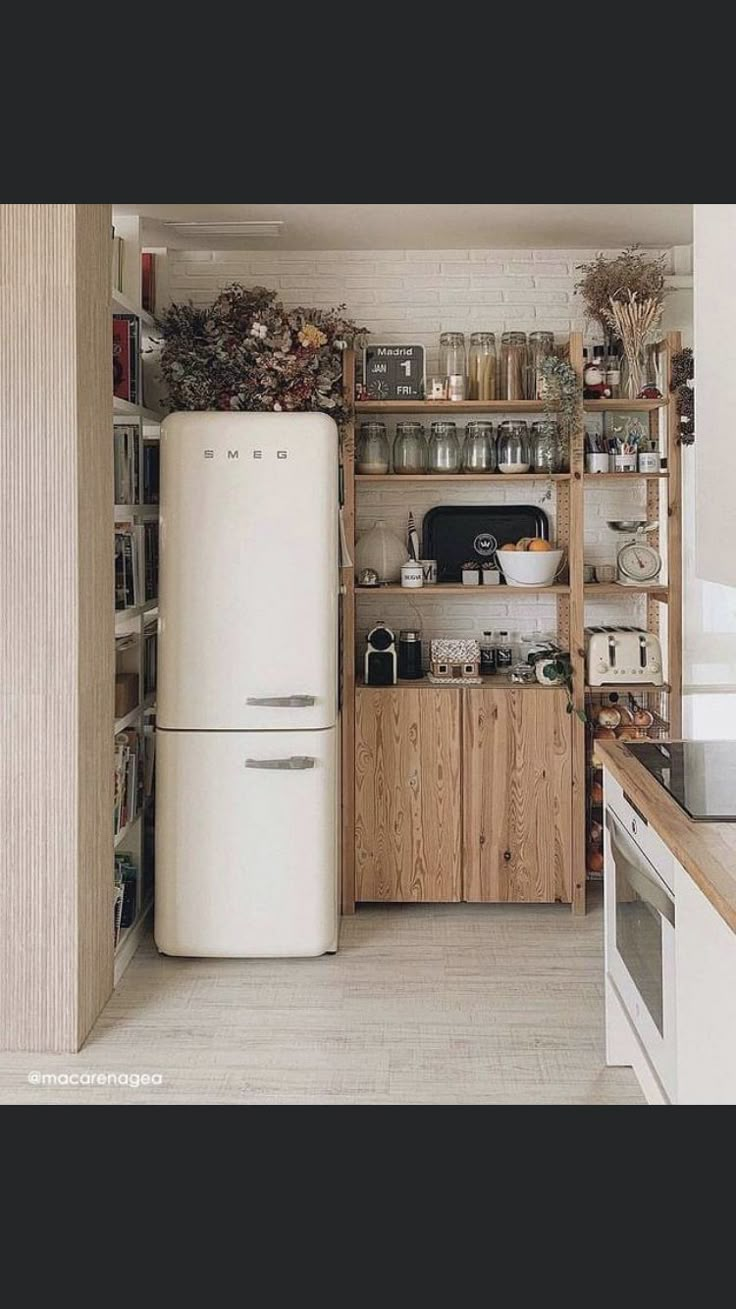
(422, 1005)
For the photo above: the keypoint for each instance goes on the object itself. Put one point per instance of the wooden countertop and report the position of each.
(706, 850)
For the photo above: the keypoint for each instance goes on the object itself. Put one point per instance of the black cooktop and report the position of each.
(699, 775)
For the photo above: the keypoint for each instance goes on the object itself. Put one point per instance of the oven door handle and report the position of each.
(638, 869)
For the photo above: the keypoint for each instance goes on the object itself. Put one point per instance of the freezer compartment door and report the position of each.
(248, 572)
(246, 848)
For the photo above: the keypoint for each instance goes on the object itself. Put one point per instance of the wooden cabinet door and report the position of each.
(408, 809)
(517, 795)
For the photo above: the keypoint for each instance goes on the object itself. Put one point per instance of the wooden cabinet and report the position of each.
(517, 795)
(408, 809)
(463, 794)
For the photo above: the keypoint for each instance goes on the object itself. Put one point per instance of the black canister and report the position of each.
(410, 655)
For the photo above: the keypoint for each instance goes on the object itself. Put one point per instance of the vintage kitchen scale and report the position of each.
(637, 561)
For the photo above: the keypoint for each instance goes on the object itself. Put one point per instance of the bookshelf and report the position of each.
(135, 525)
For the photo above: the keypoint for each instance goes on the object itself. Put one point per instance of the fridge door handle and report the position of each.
(282, 701)
(296, 761)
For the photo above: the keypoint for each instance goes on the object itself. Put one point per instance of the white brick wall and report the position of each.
(413, 295)
(402, 295)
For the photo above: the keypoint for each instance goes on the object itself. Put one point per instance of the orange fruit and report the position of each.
(538, 545)
(524, 543)
(510, 546)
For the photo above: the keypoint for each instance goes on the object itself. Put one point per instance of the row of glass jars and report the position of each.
(513, 448)
(516, 375)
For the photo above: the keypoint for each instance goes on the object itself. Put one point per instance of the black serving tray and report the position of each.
(455, 534)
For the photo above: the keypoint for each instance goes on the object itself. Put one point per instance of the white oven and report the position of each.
(640, 931)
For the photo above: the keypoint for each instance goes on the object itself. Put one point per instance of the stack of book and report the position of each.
(127, 572)
(126, 892)
(127, 477)
(149, 658)
(151, 453)
(128, 778)
(126, 358)
(150, 555)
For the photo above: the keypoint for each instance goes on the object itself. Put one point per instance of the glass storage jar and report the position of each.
(444, 449)
(452, 361)
(410, 449)
(373, 450)
(513, 447)
(512, 370)
(482, 366)
(541, 344)
(479, 448)
(545, 448)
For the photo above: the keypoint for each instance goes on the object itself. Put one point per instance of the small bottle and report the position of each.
(599, 358)
(613, 376)
(504, 652)
(487, 655)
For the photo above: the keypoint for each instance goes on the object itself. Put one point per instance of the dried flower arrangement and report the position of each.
(247, 351)
(632, 273)
(625, 296)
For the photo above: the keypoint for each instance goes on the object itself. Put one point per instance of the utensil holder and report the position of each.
(625, 463)
(596, 463)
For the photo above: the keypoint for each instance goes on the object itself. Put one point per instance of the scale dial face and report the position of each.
(639, 563)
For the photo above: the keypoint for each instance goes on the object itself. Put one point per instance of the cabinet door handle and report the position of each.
(295, 761)
(507, 856)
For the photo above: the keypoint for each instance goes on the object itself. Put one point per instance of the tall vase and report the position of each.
(635, 370)
(382, 549)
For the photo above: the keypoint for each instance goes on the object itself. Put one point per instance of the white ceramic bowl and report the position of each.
(530, 567)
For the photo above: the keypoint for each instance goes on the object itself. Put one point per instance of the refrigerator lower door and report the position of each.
(246, 843)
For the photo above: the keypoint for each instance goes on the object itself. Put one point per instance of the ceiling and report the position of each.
(438, 227)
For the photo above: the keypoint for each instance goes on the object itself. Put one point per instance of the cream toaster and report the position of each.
(622, 654)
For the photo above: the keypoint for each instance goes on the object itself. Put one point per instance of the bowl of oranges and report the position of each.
(531, 561)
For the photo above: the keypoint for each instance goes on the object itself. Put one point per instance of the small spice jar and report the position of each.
(444, 449)
(410, 449)
(513, 447)
(373, 450)
(512, 371)
(479, 448)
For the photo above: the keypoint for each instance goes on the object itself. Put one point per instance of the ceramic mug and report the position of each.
(411, 575)
(429, 571)
(649, 461)
(596, 463)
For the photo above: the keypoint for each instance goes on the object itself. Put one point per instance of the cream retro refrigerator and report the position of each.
(246, 743)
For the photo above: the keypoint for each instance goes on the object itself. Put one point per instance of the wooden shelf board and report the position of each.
(633, 687)
(118, 840)
(624, 406)
(495, 683)
(122, 305)
(498, 406)
(593, 589)
(124, 409)
(461, 477)
(457, 588)
(129, 940)
(623, 477)
(125, 512)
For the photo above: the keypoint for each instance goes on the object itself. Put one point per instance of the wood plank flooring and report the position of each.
(423, 1004)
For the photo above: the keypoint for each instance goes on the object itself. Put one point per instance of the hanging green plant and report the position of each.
(562, 393)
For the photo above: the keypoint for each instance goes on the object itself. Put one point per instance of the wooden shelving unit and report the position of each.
(663, 600)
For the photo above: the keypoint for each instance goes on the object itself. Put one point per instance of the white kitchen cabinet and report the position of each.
(705, 963)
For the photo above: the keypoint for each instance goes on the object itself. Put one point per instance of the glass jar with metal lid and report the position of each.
(479, 448)
(444, 449)
(512, 371)
(545, 448)
(482, 366)
(513, 447)
(373, 451)
(410, 449)
(541, 344)
(452, 355)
